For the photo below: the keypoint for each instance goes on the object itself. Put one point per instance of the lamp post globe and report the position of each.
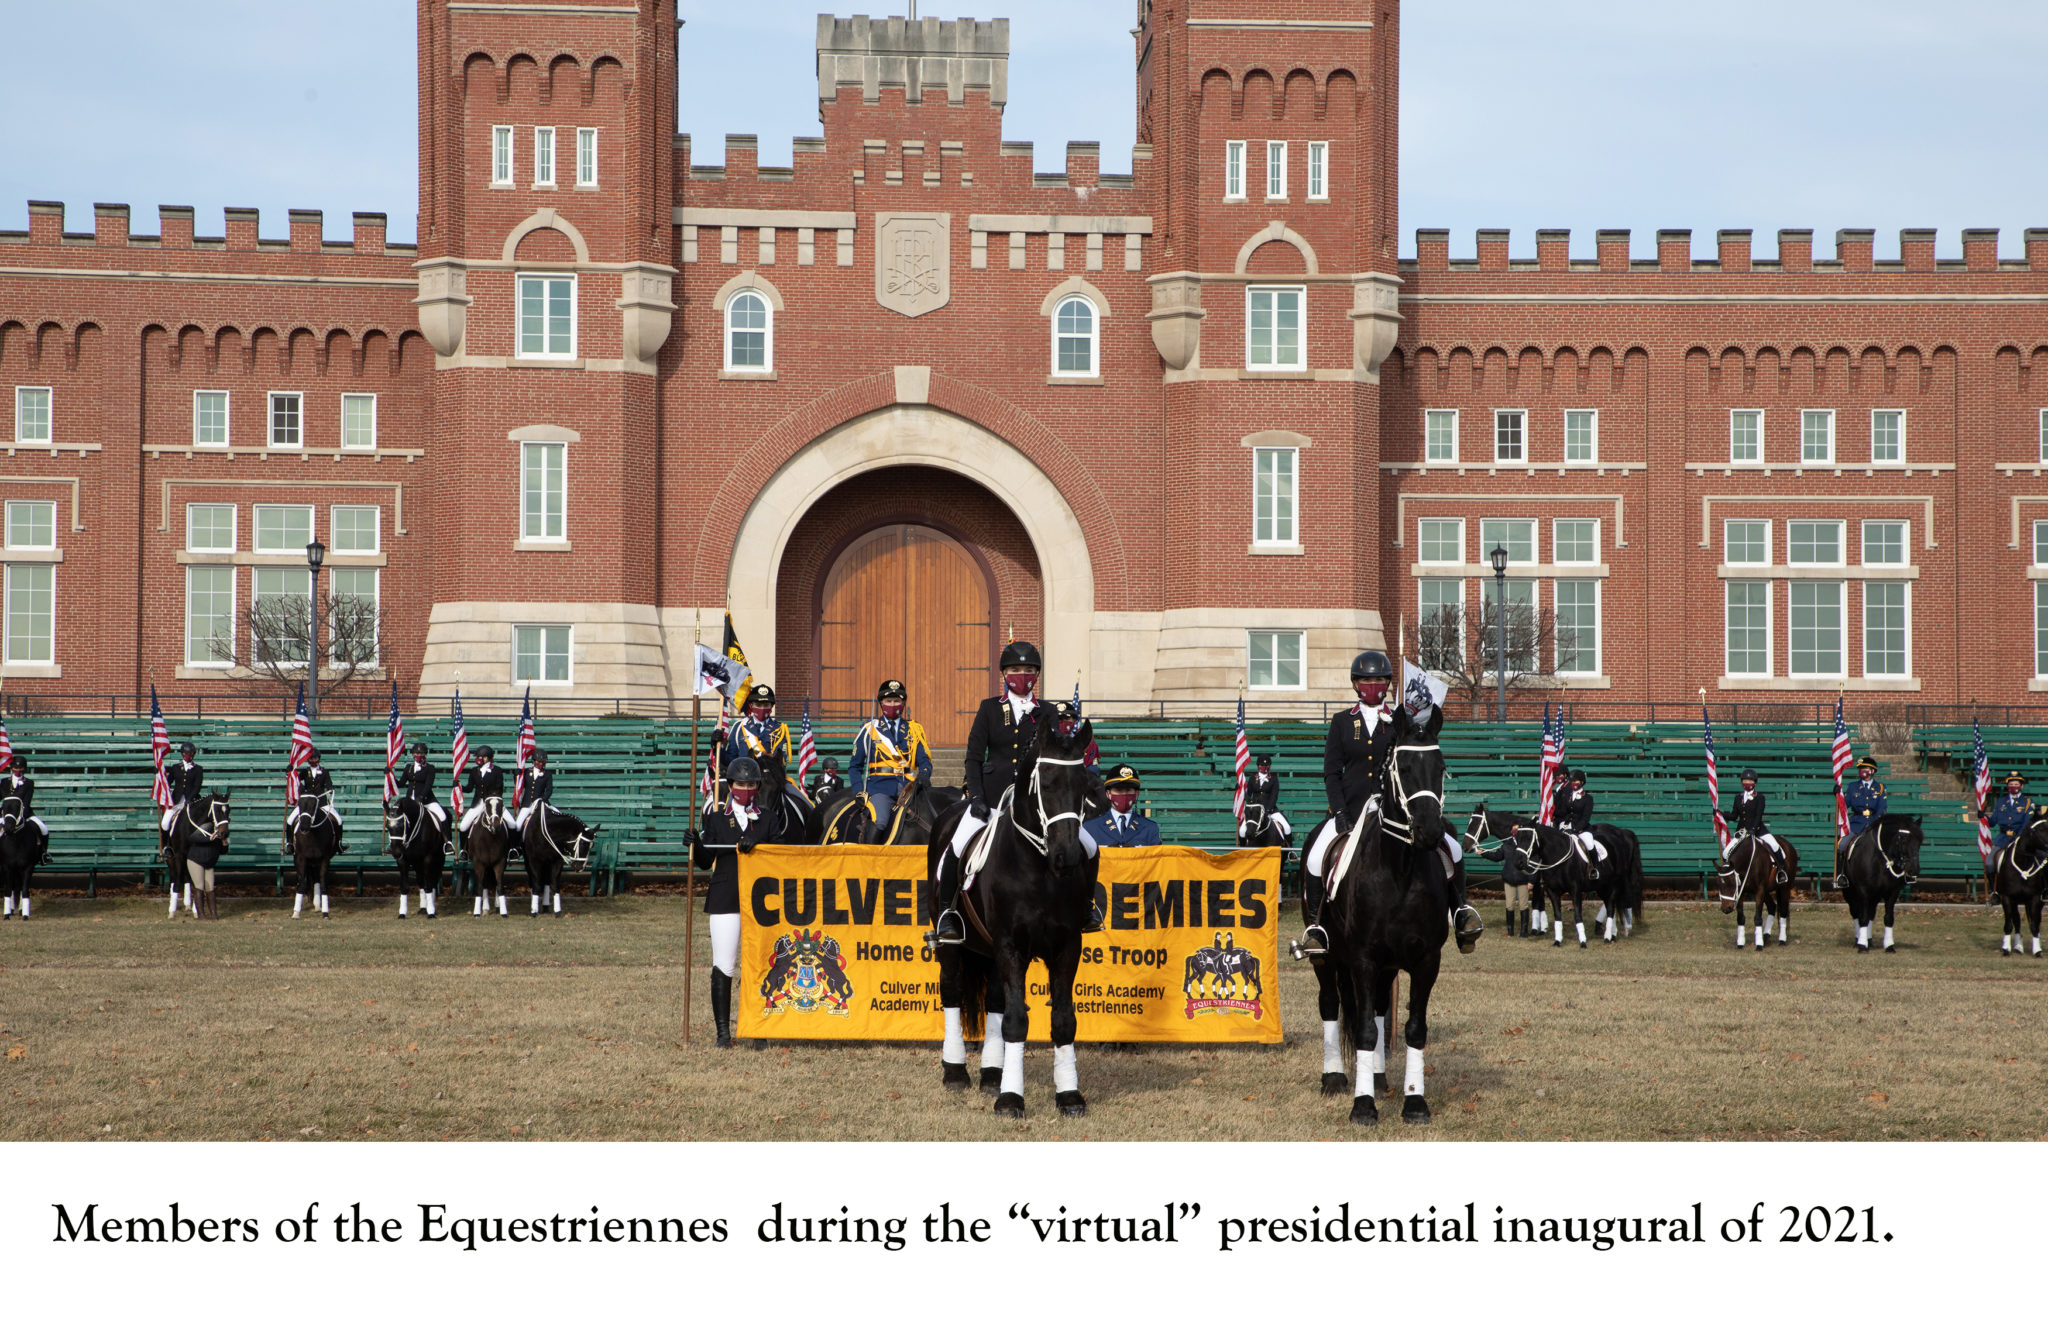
(1500, 629)
(316, 554)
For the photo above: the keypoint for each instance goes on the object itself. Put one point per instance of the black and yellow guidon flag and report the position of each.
(832, 947)
(731, 649)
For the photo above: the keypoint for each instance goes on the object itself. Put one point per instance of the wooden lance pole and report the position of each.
(690, 892)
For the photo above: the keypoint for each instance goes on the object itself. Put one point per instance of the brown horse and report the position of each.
(1749, 875)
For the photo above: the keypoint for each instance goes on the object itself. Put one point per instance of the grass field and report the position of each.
(120, 1026)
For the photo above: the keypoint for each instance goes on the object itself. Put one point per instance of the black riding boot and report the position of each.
(1465, 921)
(721, 1005)
(948, 929)
(1314, 941)
(1094, 915)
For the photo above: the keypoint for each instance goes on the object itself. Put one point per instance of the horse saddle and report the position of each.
(1349, 849)
(984, 840)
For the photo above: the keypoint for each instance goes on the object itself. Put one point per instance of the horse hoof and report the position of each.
(1072, 1104)
(1364, 1113)
(1379, 1083)
(1334, 1083)
(1009, 1105)
(1414, 1109)
(1862, 950)
(2004, 950)
(956, 1076)
(991, 1078)
(1891, 950)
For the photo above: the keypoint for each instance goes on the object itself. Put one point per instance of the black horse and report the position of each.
(1239, 968)
(316, 838)
(488, 842)
(418, 847)
(552, 841)
(1553, 857)
(1258, 830)
(21, 848)
(196, 839)
(1882, 861)
(847, 818)
(1030, 900)
(1749, 875)
(2019, 874)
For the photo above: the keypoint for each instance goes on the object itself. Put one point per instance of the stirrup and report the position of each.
(1314, 941)
(1094, 923)
(1467, 939)
(950, 930)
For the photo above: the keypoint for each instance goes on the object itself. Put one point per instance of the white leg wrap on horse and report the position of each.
(1740, 935)
(1783, 927)
(1582, 933)
(1557, 927)
(1600, 913)
(1379, 1045)
(992, 1042)
(1013, 1069)
(1411, 1080)
(1887, 936)
(1768, 920)
(1363, 1086)
(1333, 1047)
(558, 902)
(725, 944)
(1608, 936)
(174, 902)
(2037, 946)
(476, 907)
(1065, 1076)
(1863, 934)
(502, 910)
(401, 905)
(536, 904)
(298, 903)
(955, 1049)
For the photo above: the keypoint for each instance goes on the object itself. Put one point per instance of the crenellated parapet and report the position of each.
(177, 231)
(1854, 253)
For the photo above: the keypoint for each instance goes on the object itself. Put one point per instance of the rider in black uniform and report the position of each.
(316, 779)
(728, 832)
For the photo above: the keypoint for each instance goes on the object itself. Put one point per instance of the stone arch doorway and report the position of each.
(911, 602)
(913, 573)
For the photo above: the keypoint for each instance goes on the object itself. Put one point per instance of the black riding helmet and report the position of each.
(187, 750)
(746, 770)
(19, 762)
(419, 749)
(486, 754)
(1578, 776)
(1265, 761)
(312, 756)
(540, 756)
(1371, 663)
(1749, 775)
(1021, 654)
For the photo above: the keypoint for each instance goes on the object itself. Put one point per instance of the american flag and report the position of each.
(1244, 754)
(6, 747)
(458, 755)
(1980, 775)
(1713, 779)
(806, 747)
(159, 751)
(1546, 786)
(300, 750)
(524, 752)
(1076, 703)
(1841, 760)
(394, 748)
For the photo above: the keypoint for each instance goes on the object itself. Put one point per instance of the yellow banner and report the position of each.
(832, 947)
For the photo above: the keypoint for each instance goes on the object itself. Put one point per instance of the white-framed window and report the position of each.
(501, 155)
(547, 315)
(1745, 436)
(2044, 435)
(1887, 628)
(1440, 436)
(1749, 628)
(1884, 542)
(1813, 543)
(1816, 628)
(1074, 345)
(1887, 436)
(1273, 329)
(1575, 542)
(1581, 436)
(541, 491)
(209, 527)
(543, 155)
(540, 654)
(283, 528)
(210, 616)
(353, 613)
(1517, 536)
(358, 421)
(2041, 628)
(1510, 435)
(287, 420)
(32, 526)
(32, 415)
(749, 332)
(1577, 626)
(1233, 169)
(283, 608)
(209, 417)
(1276, 490)
(1276, 169)
(586, 159)
(31, 613)
(1522, 615)
(2041, 542)
(1442, 543)
(1319, 170)
(354, 529)
(1273, 660)
(1748, 542)
(1440, 622)
(1817, 436)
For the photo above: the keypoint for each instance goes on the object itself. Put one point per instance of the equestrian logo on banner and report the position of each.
(1223, 978)
(808, 976)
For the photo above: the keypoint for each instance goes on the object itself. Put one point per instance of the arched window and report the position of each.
(1074, 339)
(749, 333)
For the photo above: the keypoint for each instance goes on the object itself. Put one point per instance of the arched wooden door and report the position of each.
(908, 602)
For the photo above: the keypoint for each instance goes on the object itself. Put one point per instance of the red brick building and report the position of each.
(1196, 429)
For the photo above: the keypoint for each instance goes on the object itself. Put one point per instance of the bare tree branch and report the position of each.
(270, 650)
(1457, 642)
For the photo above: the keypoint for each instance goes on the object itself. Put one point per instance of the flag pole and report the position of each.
(690, 891)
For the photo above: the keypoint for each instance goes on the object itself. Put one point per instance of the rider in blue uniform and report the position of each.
(2010, 814)
(1865, 800)
(1122, 827)
(888, 752)
(764, 738)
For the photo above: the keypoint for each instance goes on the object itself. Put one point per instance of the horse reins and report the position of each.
(1043, 835)
(1404, 829)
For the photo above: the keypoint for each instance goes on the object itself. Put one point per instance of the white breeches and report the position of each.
(725, 943)
(1772, 842)
(469, 818)
(1279, 821)
(439, 814)
(38, 823)
(1319, 852)
(170, 816)
(518, 819)
(970, 826)
(1592, 848)
(291, 818)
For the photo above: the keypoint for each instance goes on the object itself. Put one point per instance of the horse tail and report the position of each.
(1354, 1017)
(975, 973)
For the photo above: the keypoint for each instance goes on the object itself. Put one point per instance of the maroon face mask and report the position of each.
(892, 709)
(1123, 800)
(1371, 690)
(1020, 684)
(762, 713)
(743, 795)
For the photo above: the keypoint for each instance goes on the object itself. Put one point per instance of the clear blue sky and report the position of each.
(1570, 113)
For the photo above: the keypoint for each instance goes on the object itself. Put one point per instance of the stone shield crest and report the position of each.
(913, 262)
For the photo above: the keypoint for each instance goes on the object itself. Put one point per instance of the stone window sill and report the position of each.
(1273, 550)
(1818, 684)
(1075, 380)
(750, 375)
(34, 556)
(1253, 374)
(551, 545)
(32, 670)
(546, 364)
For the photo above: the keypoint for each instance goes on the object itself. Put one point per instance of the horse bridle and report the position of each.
(407, 832)
(1403, 827)
(1043, 836)
(212, 828)
(580, 839)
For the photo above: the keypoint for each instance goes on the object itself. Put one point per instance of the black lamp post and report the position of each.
(1500, 627)
(316, 553)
